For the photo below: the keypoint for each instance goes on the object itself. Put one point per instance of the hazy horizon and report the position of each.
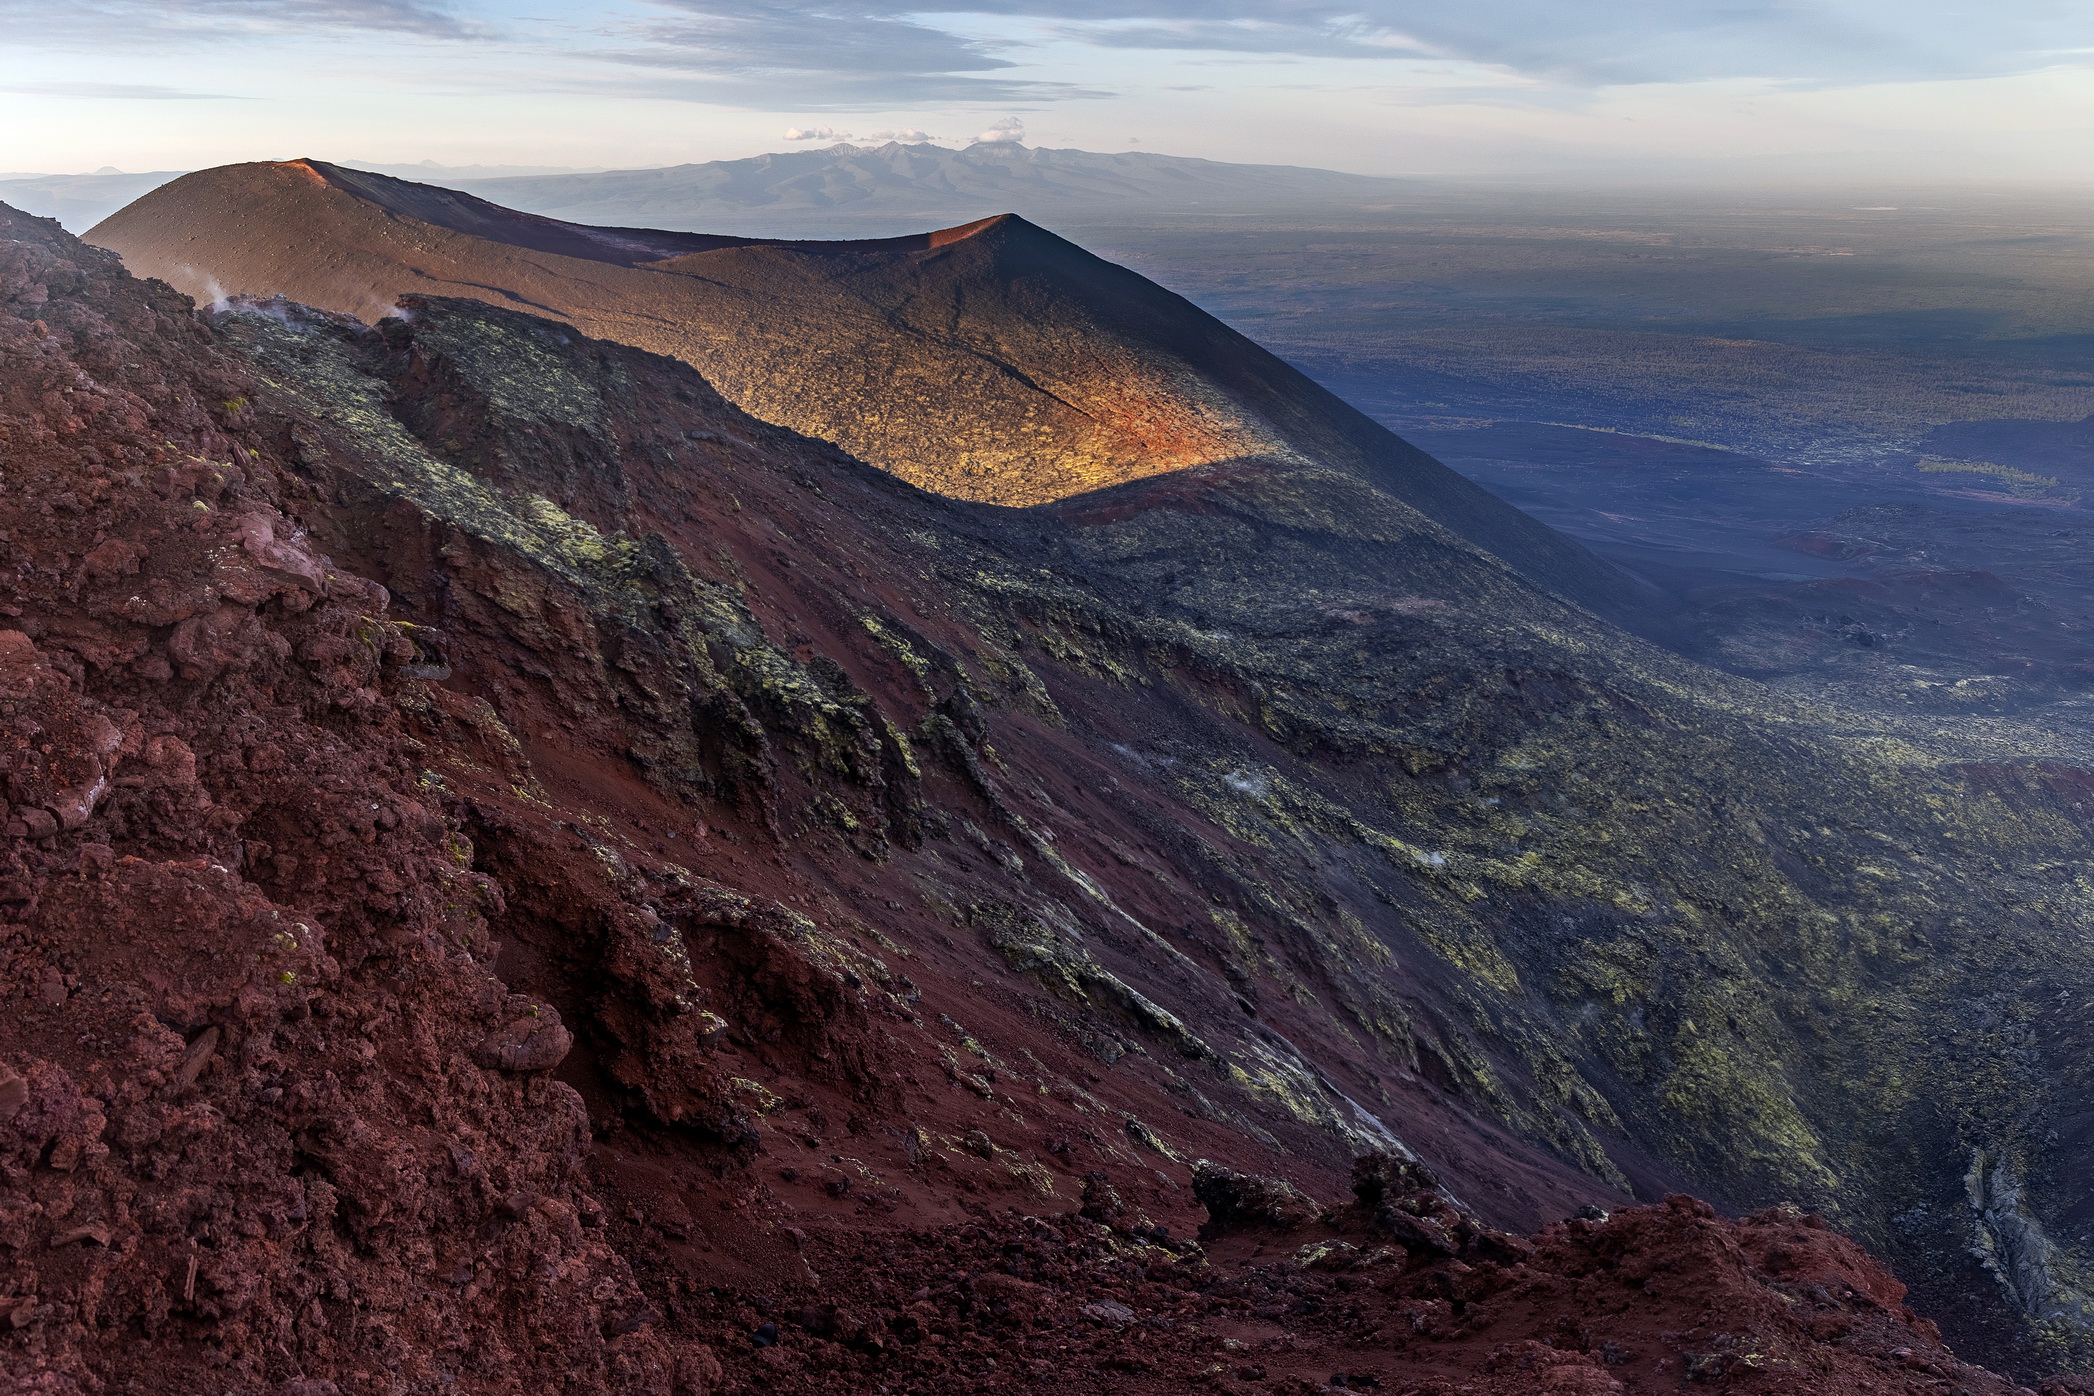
(1633, 89)
(1741, 176)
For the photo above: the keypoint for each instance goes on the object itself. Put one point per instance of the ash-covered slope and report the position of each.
(992, 362)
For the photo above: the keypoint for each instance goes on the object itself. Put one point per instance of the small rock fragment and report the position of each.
(1101, 1200)
(196, 1058)
(529, 1044)
(1418, 1233)
(1108, 1311)
(1235, 1200)
(117, 557)
(634, 1322)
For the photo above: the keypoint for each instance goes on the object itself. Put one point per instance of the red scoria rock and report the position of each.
(229, 1114)
(1651, 1299)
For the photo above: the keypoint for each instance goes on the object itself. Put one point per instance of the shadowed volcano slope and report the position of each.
(992, 362)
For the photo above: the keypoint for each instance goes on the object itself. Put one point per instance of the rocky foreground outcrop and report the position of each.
(266, 1111)
(521, 877)
(1397, 1291)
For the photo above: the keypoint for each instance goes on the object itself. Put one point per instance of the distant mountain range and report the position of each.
(863, 190)
(79, 201)
(873, 191)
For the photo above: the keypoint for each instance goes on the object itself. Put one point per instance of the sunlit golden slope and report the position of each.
(993, 362)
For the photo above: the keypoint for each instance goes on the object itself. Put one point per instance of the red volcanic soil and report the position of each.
(1398, 1296)
(376, 1021)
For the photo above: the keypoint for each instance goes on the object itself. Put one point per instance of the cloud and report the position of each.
(134, 91)
(855, 55)
(1601, 42)
(895, 44)
(131, 23)
(830, 133)
(884, 55)
(1009, 131)
(865, 54)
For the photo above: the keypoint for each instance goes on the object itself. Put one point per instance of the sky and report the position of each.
(1722, 90)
